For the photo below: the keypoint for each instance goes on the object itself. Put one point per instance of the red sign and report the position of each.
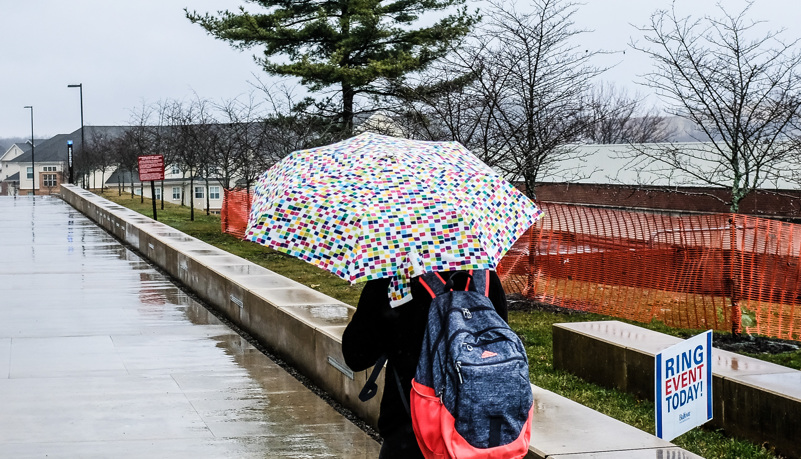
(151, 167)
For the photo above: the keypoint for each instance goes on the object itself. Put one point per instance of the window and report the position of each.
(138, 191)
(158, 192)
(176, 192)
(214, 192)
(49, 180)
(30, 172)
(49, 168)
(174, 170)
(198, 192)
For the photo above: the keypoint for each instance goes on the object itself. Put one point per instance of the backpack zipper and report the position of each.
(455, 334)
(443, 330)
(458, 366)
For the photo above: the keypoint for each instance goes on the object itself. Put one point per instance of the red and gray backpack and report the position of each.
(471, 396)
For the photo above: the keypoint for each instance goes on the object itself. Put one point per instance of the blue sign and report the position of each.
(683, 386)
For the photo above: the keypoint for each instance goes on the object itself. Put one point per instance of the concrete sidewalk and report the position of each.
(101, 356)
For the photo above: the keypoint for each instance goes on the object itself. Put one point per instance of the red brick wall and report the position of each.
(785, 204)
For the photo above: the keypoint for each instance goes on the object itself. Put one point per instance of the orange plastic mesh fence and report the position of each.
(723, 271)
(235, 210)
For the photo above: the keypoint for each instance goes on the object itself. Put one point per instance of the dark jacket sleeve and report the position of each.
(363, 341)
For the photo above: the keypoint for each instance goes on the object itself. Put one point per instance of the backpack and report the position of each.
(471, 396)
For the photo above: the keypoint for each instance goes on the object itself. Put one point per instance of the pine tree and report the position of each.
(351, 45)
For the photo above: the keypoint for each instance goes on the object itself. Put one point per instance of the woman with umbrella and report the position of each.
(377, 330)
(385, 210)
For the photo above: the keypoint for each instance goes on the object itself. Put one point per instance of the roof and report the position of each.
(26, 146)
(12, 178)
(616, 164)
(54, 149)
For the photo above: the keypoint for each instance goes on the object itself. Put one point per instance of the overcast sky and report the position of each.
(126, 53)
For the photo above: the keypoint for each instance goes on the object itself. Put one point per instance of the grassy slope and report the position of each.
(533, 326)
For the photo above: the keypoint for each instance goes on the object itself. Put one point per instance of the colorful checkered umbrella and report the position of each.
(374, 206)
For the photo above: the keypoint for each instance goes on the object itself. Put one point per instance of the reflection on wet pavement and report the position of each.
(101, 356)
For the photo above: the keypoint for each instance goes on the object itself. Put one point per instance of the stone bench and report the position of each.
(752, 399)
(305, 328)
(564, 429)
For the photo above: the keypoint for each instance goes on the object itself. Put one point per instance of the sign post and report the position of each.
(69, 160)
(683, 386)
(151, 168)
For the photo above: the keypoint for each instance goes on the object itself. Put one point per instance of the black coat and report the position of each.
(378, 329)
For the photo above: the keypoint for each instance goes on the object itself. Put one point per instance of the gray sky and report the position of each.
(126, 53)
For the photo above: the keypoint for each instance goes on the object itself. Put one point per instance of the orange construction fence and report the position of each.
(235, 210)
(725, 272)
(722, 271)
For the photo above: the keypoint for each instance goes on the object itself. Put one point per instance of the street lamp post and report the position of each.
(33, 163)
(80, 88)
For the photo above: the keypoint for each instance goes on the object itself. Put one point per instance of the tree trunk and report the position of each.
(191, 197)
(208, 204)
(347, 108)
(731, 274)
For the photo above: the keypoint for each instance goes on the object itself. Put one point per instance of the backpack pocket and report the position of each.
(494, 396)
(427, 412)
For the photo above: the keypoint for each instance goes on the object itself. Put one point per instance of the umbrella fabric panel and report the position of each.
(374, 206)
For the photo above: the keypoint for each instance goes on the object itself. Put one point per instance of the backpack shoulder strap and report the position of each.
(370, 387)
(480, 281)
(433, 283)
(477, 280)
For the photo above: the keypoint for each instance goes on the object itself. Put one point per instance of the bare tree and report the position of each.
(448, 102)
(205, 141)
(140, 135)
(291, 123)
(236, 116)
(96, 155)
(612, 117)
(160, 138)
(740, 87)
(521, 108)
(184, 142)
(125, 152)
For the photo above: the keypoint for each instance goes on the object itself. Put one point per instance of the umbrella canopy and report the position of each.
(374, 206)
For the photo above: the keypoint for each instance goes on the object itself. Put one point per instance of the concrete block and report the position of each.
(244, 269)
(260, 319)
(765, 408)
(153, 249)
(597, 360)
(331, 367)
(564, 427)
(294, 296)
(653, 453)
(264, 282)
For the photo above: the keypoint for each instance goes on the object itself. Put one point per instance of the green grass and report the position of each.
(535, 328)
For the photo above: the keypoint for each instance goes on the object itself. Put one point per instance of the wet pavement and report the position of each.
(102, 356)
